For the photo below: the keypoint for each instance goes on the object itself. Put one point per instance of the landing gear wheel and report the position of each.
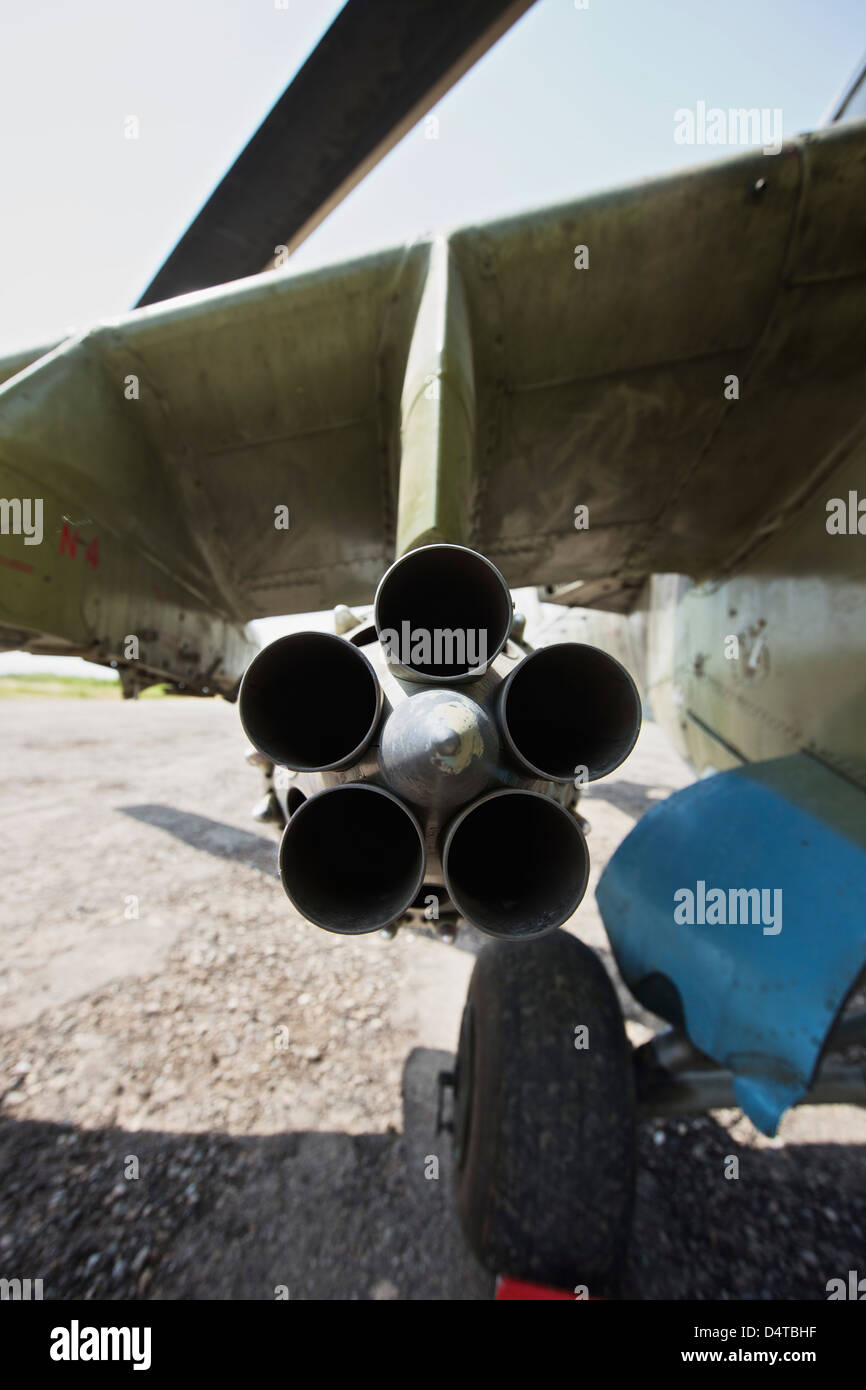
(544, 1131)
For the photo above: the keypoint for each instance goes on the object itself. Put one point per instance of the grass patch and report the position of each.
(46, 684)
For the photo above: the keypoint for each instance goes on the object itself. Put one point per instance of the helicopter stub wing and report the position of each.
(266, 447)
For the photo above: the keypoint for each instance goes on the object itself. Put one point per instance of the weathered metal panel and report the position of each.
(556, 387)
(758, 995)
(437, 414)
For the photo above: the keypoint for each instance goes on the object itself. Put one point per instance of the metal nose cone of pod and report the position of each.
(439, 748)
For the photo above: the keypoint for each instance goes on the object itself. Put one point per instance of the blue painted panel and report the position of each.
(757, 995)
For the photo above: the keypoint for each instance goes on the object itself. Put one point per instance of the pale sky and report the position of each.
(569, 101)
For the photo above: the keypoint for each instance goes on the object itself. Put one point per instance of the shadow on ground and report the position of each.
(700, 1234)
(240, 846)
(213, 836)
(340, 1216)
(327, 1215)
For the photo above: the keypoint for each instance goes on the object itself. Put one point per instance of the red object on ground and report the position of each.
(520, 1290)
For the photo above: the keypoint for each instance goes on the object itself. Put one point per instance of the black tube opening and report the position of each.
(450, 591)
(352, 858)
(570, 707)
(310, 701)
(515, 864)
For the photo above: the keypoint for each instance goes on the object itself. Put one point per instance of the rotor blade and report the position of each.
(379, 67)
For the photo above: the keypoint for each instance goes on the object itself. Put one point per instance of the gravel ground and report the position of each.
(166, 1013)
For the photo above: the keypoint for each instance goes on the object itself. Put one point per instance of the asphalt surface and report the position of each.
(166, 1014)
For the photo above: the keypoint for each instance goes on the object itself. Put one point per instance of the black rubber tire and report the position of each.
(545, 1147)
